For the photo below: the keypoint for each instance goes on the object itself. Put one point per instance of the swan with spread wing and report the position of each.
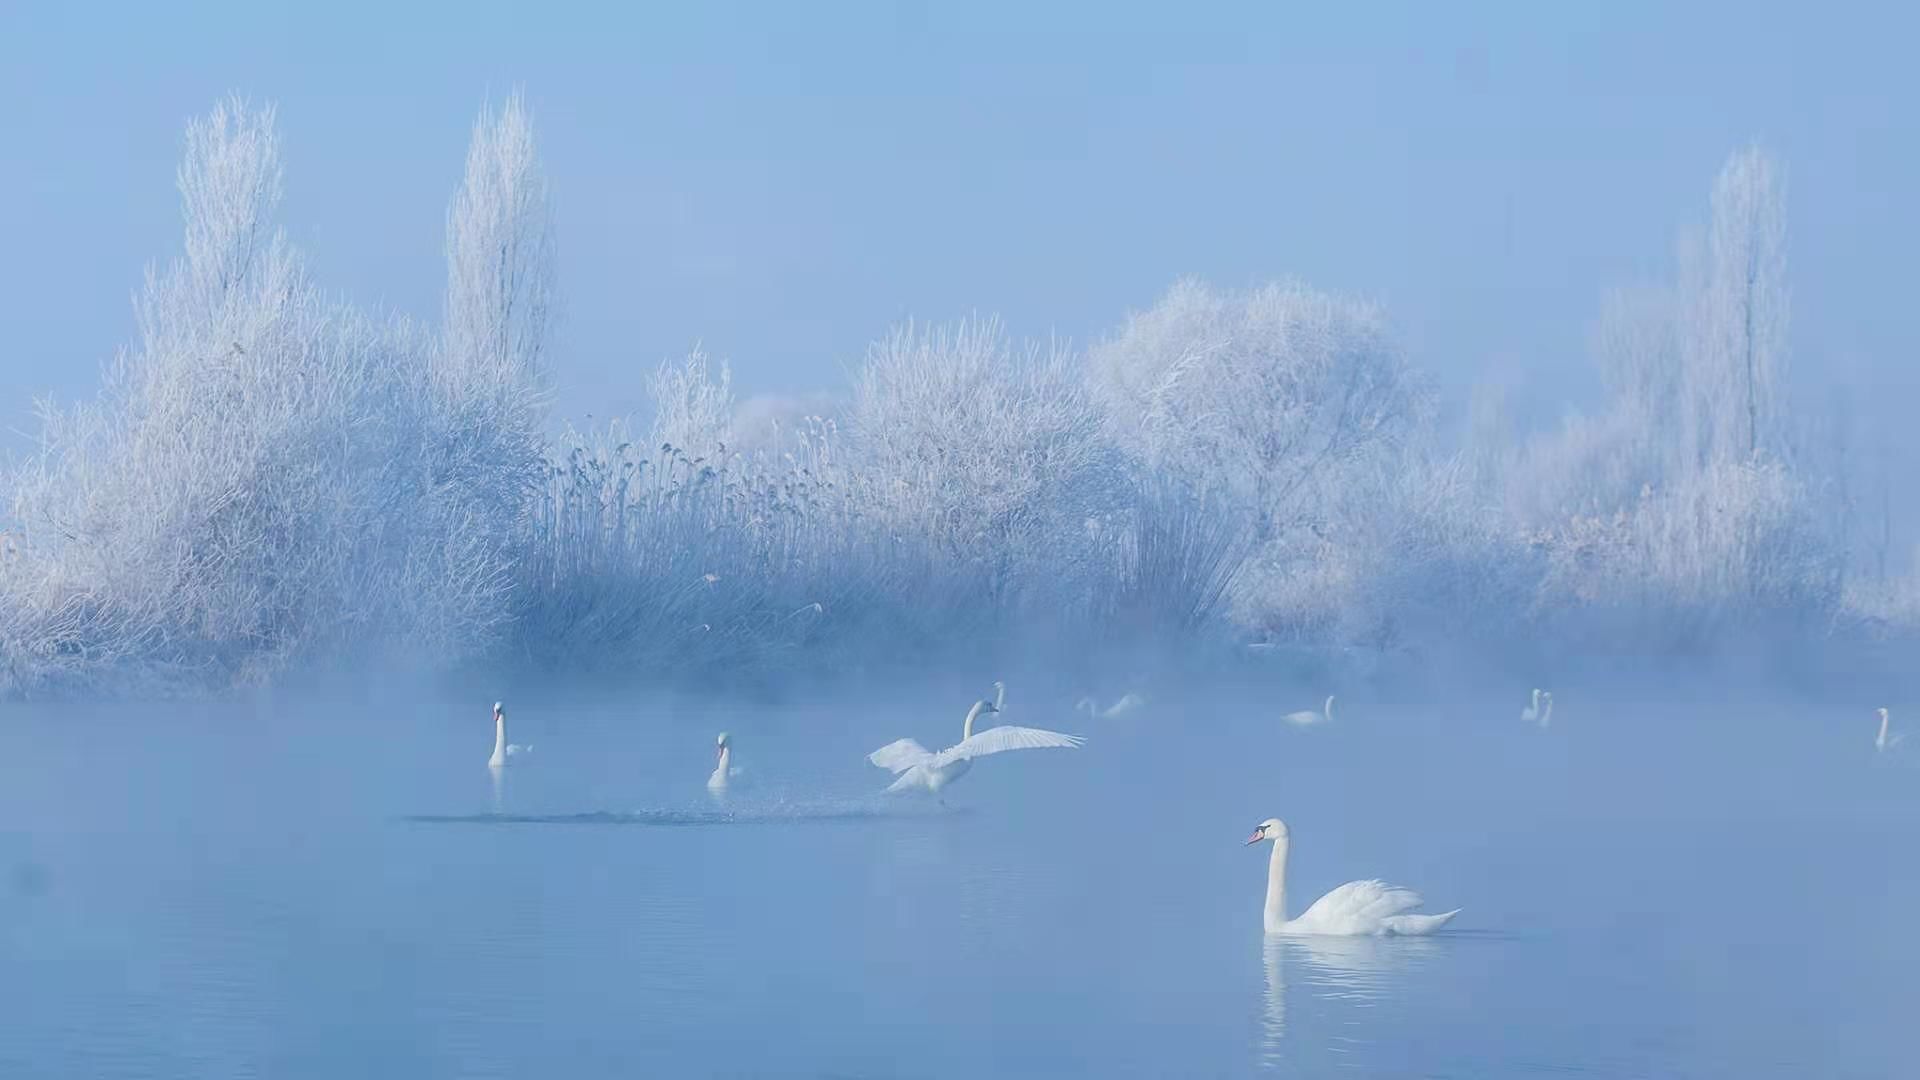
(921, 769)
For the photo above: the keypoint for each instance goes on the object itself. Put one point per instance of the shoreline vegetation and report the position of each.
(271, 481)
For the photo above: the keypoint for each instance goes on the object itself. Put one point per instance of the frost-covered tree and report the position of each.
(486, 451)
(1259, 396)
(960, 434)
(499, 257)
(488, 372)
(261, 478)
(1738, 311)
(1679, 500)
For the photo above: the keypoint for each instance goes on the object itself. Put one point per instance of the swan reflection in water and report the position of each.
(1336, 974)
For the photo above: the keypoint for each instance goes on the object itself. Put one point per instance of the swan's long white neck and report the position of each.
(1881, 739)
(1275, 915)
(966, 732)
(726, 760)
(1327, 709)
(499, 738)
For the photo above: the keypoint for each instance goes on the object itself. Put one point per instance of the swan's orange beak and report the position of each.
(1258, 835)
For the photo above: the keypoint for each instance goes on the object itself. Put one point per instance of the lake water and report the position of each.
(238, 891)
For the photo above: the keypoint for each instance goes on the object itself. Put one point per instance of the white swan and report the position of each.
(1306, 717)
(1883, 741)
(1546, 711)
(724, 770)
(501, 750)
(920, 768)
(1128, 702)
(1356, 908)
(1532, 711)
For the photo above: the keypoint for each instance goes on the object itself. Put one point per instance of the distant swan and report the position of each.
(924, 770)
(1356, 908)
(1128, 702)
(1532, 711)
(1884, 742)
(1306, 717)
(501, 750)
(724, 769)
(1541, 709)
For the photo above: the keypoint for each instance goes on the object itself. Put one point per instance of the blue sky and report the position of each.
(783, 183)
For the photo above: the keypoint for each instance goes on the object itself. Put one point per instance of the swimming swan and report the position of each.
(924, 770)
(1356, 908)
(1532, 712)
(1305, 717)
(724, 769)
(501, 750)
(1882, 741)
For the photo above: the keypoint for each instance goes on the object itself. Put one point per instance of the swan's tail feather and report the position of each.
(1415, 925)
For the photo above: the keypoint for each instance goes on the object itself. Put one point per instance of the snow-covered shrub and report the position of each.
(726, 567)
(1723, 546)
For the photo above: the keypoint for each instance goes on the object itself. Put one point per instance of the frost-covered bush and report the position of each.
(651, 560)
(1727, 548)
(693, 410)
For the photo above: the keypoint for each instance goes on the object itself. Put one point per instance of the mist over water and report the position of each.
(1463, 380)
(1648, 889)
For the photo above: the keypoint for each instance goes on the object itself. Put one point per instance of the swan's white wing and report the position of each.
(1415, 925)
(997, 739)
(1358, 907)
(915, 777)
(900, 755)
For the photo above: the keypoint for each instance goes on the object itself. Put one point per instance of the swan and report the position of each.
(1128, 702)
(1883, 741)
(922, 769)
(1305, 717)
(501, 750)
(1546, 714)
(1532, 712)
(1357, 908)
(724, 769)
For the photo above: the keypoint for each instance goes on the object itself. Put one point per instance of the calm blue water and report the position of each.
(248, 891)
